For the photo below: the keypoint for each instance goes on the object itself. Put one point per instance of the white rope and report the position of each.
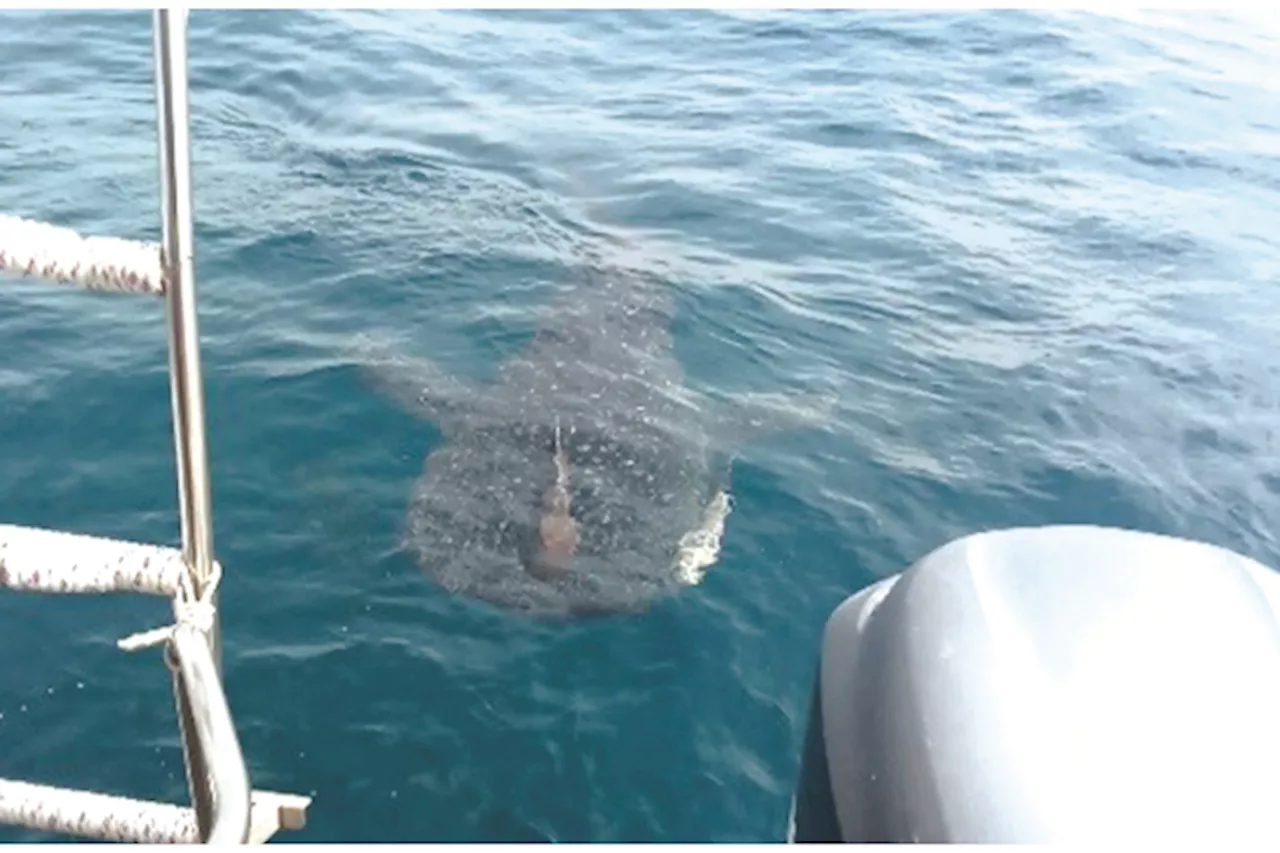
(99, 816)
(28, 247)
(37, 560)
(197, 611)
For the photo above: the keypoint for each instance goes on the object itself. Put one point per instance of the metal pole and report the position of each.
(184, 367)
(216, 736)
(184, 338)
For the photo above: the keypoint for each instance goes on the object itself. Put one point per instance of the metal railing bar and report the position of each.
(215, 739)
(177, 258)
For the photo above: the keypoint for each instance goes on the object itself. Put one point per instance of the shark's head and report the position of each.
(597, 527)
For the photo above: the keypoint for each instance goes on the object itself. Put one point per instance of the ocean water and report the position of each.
(1037, 256)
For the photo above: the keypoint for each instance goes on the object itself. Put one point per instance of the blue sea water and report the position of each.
(1036, 255)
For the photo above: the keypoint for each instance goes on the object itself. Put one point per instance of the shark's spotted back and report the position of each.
(643, 459)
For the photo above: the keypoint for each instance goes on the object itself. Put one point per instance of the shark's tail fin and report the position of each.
(737, 419)
(622, 246)
(418, 385)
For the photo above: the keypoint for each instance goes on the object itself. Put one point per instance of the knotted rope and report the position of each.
(197, 611)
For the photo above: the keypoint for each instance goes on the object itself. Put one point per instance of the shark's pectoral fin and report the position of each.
(417, 384)
(700, 548)
(741, 418)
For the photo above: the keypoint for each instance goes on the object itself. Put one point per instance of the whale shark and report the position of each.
(588, 477)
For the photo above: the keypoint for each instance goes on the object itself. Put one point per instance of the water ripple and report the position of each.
(1036, 253)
